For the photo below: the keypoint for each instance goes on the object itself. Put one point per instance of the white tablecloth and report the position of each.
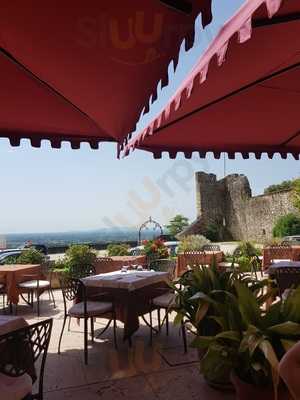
(9, 323)
(130, 280)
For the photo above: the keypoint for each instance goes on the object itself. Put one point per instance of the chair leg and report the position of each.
(167, 322)
(85, 341)
(115, 332)
(159, 319)
(61, 334)
(52, 295)
(151, 329)
(184, 337)
(92, 328)
(38, 302)
(69, 323)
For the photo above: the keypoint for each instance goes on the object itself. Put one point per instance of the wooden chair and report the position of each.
(20, 350)
(74, 290)
(36, 284)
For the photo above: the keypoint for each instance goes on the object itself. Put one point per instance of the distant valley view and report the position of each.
(61, 239)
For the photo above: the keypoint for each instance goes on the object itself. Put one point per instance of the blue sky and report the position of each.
(60, 190)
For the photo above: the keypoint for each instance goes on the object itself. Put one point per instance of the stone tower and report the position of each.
(229, 205)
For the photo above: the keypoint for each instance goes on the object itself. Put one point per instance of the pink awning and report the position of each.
(81, 71)
(243, 95)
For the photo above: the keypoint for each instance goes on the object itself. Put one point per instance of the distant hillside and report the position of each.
(67, 238)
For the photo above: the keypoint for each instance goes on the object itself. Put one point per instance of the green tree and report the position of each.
(285, 185)
(287, 225)
(297, 193)
(177, 224)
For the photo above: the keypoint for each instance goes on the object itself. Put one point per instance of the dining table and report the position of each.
(131, 292)
(188, 259)
(12, 275)
(282, 264)
(115, 263)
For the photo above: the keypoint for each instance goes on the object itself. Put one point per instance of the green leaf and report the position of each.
(178, 319)
(230, 335)
(202, 342)
(201, 312)
(248, 305)
(201, 296)
(287, 344)
(286, 329)
(270, 355)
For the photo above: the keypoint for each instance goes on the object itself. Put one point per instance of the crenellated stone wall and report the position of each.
(229, 204)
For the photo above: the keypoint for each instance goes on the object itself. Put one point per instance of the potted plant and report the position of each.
(154, 250)
(251, 341)
(78, 258)
(202, 297)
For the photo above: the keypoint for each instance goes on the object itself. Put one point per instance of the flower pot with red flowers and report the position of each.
(155, 250)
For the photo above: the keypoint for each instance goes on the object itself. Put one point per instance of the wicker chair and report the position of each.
(211, 247)
(20, 350)
(287, 278)
(74, 289)
(36, 283)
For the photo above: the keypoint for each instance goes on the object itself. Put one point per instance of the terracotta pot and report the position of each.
(246, 391)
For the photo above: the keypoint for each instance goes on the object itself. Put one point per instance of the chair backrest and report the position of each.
(211, 247)
(137, 252)
(287, 277)
(70, 288)
(194, 258)
(20, 350)
(104, 259)
(280, 252)
(286, 243)
(166, 265)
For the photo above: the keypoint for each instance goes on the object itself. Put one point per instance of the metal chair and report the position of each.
(165, 265)
(279, 252)
(166, 300)
(74, 290)
(21, 349)
(287, 278)
(211, 247)
(195, 258)
(36, 283)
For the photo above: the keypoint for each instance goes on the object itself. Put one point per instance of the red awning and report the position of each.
(249, 102)
(81, 70)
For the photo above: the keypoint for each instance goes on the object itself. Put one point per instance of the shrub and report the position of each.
(118, 250)
(30, 256)
(78, 259)
(287, 225)
(192, 243)
(61, 265)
